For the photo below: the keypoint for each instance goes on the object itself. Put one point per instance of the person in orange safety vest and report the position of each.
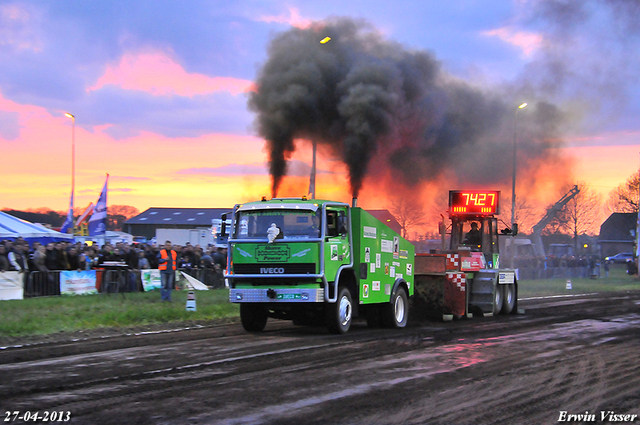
(167, 264)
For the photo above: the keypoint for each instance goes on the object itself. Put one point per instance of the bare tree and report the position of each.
(409, 214)
(118, 214)
(526, 215)
(624, 198)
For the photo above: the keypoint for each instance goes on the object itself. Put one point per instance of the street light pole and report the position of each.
(312, 180)
(73, 161)
(515, 148)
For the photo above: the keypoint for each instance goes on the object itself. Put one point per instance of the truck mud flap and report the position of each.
(481, 291)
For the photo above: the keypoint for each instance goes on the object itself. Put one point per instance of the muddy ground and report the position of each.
(578, 355)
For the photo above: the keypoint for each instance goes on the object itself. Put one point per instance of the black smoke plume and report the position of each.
(366, 97)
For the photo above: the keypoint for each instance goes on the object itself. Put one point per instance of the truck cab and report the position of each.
(477, 234)
(316, 262)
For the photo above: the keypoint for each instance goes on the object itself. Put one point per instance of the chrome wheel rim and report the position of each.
(345, 311)
(399, 309)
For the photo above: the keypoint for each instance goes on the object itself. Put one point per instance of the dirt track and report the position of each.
(573, 354)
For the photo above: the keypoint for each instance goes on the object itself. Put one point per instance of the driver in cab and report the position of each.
(473, 237)
(314, 230)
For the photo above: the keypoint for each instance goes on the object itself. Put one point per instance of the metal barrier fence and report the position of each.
(120, 281)
(537, 273)
(111, 281)
(42, 284)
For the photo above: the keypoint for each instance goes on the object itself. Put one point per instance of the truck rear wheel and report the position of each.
(497, 300)
(253, 317)
(339, 314)
(396, 313)
(509, 300)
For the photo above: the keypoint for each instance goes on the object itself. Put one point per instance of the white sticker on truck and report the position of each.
(506, 278)
(369, 232)
(386, 245)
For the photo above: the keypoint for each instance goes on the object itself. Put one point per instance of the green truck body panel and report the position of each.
(264, 253)
(384, 256)
(377, 256)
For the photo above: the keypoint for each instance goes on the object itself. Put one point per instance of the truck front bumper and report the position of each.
(279, 295)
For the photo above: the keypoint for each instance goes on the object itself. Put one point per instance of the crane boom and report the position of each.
(551, 213)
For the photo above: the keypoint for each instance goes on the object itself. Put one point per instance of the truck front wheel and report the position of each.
(253, 317)
(396, 313)
(339, 314)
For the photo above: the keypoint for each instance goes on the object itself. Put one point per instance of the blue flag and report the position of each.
(68, 223)
(98, 220)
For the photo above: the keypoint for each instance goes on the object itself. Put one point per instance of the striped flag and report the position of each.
(98, 221)
(85, 215)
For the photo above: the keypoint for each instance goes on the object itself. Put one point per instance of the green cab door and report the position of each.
(337, 251)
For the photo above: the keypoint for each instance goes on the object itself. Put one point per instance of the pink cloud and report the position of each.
(159, 75)
(18, 28)
(294, 19)
(526, 41)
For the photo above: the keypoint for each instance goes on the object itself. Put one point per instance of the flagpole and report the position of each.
(73, 165)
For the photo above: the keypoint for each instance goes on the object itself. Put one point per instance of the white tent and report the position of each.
(12, 227)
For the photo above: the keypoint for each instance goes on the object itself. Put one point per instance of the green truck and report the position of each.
(317, 262)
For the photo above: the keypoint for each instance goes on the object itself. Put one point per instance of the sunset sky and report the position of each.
(159, 90)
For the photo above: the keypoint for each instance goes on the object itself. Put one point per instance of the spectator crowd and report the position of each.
(206, 264)
(551, 266)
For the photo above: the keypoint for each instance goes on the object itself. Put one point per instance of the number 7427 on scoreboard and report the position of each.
(476, 202)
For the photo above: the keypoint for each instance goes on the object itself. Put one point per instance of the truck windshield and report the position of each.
(293, 224)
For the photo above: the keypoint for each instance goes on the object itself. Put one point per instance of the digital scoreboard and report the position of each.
(475, 202)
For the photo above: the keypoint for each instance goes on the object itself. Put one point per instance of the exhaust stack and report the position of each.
(354, 202)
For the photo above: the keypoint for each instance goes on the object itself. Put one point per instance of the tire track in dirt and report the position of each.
(519, 369)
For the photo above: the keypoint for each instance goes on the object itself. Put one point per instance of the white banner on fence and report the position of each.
(73, 282)
(195, 283)
(11, 286)
(150, 279)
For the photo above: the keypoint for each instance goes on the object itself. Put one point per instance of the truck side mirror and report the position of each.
(342, 225)
(223, 226)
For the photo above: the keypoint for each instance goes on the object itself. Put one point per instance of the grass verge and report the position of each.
(618, 280)
(46, 315)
